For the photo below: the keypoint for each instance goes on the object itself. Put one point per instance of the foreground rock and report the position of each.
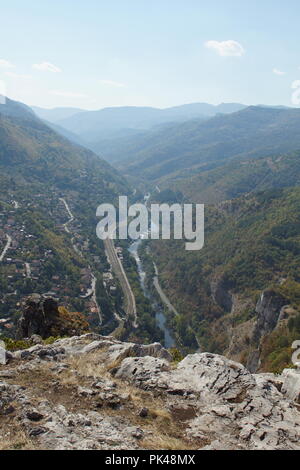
(101, 393)
(233, 406)
(291, 384)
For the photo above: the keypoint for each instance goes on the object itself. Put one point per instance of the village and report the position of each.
(27, 265)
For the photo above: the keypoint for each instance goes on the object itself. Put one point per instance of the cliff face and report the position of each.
(268, 310)
(94, 392)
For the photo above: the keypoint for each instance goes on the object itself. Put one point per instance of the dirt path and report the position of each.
(92, 292)
(161, 293)
(6, 248)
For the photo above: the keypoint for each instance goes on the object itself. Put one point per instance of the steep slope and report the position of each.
(252, 244)
(15, 109)
(31, 149)
(49, 192)
(63, 132)
(238, 177)
(195, 146)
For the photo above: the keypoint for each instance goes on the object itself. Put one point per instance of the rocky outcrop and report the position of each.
(198, 373)
(111, 349)
(212, 402)
(38, 316)
(41, 316)
(291, 384)
(235, 408)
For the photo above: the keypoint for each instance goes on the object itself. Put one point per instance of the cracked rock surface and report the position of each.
(94, 392)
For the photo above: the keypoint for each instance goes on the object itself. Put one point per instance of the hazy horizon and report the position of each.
(162, 108)
(160, 54)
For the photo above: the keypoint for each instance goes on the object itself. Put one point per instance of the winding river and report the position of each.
(159, 312)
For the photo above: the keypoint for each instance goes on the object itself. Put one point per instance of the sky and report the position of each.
(93, 54)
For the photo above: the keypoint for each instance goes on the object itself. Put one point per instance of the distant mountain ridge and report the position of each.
(55, 114)
(183, 149)
(94, 126)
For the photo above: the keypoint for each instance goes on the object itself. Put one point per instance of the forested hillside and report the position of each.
(238, 177)
(29, 148)
(252, 244)
(239, 165)
(49, 192)
(183, 150)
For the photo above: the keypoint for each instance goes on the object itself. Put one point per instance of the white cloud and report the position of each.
(228, 48)
(18, 76)
(278, 72)
(296, 84)
(46, 67)
(296, 98)
(67, 94)
(4, 64)
(112, 83)
(296, 94)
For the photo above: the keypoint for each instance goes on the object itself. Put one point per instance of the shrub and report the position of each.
(177, 356)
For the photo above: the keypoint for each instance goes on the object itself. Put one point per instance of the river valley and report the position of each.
(159, 311)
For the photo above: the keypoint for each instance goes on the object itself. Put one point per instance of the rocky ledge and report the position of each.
(94, 392)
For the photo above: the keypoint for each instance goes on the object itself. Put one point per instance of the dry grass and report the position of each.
(161, 414)
(162, 429)
(166, 442)
(88, 366)
(18, 441)
(164, 432)
(114, 365)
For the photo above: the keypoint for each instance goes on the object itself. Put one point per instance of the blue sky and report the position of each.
(93, 54)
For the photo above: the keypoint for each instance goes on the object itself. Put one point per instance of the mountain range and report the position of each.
(110, 123)
(245, 165)
(55, 114)
(195, 146)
